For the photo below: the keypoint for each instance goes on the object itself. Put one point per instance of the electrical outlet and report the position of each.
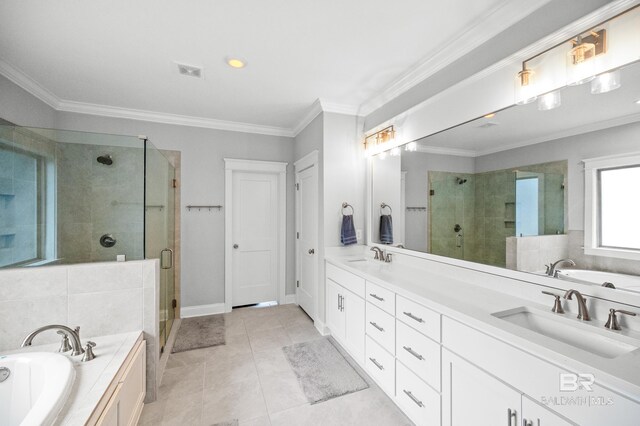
(359, 234)
(120, 258)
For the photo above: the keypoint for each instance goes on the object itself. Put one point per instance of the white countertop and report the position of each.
(473, 305)
(93, 377)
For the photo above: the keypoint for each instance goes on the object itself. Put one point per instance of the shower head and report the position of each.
(460, 181)
(105, 159)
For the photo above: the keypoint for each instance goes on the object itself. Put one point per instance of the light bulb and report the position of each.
(606, 82)
(394, 152)
(411, 146)
(549, 101)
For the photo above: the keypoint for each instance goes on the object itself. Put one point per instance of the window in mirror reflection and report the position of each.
(21, 176)
(620, 208)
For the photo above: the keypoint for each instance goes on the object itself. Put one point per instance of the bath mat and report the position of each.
(322, 371)
(233, 422)
(199, 332)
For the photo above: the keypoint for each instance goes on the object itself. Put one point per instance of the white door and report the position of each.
(307, 236)
(335, 317)
(354, 316)
(255, 238)
(472, 397)
(534, 414)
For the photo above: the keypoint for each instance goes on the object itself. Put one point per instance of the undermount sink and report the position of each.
(569, 331)
(35, 388)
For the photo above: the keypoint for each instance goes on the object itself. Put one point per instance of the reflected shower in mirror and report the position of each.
(508, 189)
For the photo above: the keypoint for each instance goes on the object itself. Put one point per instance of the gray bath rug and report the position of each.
(322, 371)
(199, 332)
(233, 422)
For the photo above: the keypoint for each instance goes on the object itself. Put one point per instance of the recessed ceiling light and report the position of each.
(236, 63)
(493, 114)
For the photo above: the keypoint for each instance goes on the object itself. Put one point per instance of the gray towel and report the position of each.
(348, 232)
(386, 229)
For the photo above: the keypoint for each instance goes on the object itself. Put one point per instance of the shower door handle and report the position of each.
(162, 265)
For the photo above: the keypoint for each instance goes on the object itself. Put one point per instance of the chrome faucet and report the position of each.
(583, 312)
(76, 345)
(551, 268)
(379, 255)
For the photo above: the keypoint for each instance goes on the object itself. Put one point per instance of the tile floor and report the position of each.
(249, 379)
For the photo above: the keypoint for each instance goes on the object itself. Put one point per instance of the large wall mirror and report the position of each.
(508, 189)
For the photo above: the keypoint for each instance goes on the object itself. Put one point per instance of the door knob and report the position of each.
(235, 246)
(311, 251)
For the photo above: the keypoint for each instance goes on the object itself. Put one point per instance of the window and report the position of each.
(21, 177)
(612, 207)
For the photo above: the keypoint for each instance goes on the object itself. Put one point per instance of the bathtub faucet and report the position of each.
(76, 345)
(551, 268)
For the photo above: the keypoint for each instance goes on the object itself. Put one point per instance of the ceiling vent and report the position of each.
(190, 70)
(487, 125)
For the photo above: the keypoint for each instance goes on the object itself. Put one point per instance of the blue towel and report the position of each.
(386, 229)
(348, 232)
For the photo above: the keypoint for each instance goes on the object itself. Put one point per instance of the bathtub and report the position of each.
(620, 281)
(35, 388)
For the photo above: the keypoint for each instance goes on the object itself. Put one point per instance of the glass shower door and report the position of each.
(160, 232)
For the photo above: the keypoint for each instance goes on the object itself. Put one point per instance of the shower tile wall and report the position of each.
(96, 199)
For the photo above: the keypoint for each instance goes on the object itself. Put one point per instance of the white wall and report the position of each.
(20, 107)
(202, 182)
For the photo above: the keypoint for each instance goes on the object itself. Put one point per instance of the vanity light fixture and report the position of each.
(413, 146)
(380, 137)
(525, 86)
(606, 82)
(580, 64)
(549, 101)
(236, 63)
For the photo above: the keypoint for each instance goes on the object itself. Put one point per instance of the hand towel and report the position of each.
(348, 232)
(386, 229)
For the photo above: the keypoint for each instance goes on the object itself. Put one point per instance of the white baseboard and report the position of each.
(290, 298)
(201, 310)
(321, 327)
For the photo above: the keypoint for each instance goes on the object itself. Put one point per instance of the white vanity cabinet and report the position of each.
(345, 308)
(122, 403)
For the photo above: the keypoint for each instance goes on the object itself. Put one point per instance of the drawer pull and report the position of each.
(375, 296)
(376, 363)
(376, 326)
(413, 398)
(413, 317)
(412, 352)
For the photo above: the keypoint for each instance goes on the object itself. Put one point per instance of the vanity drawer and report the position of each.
(418, 353)
(381, 327)
(380, 365)
(350, 281)
(381, 297)
(419, 317)
(417, 400)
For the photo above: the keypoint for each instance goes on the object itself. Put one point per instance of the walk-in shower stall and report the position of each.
(75, 197)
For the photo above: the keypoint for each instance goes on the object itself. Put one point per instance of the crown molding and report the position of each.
(319, 106)
(490, 24)
(175, 119)
(21, 79)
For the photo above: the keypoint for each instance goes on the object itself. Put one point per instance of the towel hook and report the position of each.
(385, 205)
(345, 205)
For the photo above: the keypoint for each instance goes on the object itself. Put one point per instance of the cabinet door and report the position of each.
(354, 325)
(335, 316)
(133, 388)
(110, 414)
(472, 397)
(534, 414)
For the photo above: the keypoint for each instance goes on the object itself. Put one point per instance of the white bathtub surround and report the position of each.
(470, 312)
(36, 388)
(531, 254)
(93, 377)
(102, 298)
